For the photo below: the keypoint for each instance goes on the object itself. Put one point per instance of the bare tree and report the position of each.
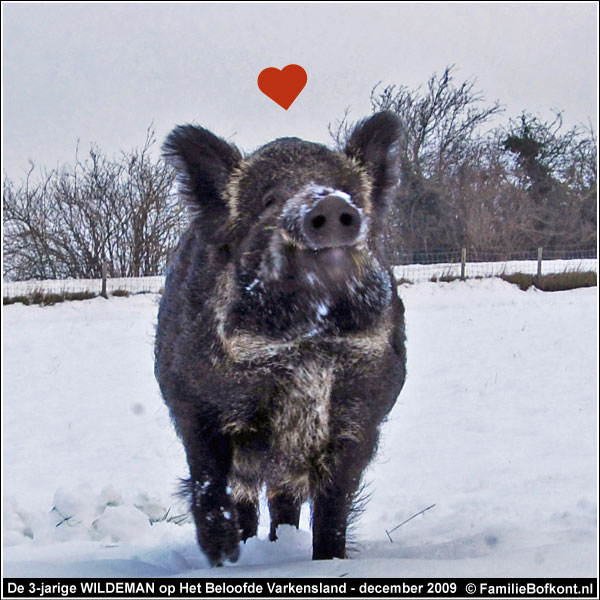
(71, 221)
(443, 123)
(466, 184)
(557, 170)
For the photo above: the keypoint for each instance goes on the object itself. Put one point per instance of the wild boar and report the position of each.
(280, 345)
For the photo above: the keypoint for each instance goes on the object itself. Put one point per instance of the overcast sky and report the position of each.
(105, 72)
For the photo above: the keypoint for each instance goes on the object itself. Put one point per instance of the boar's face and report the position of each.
(300, 226)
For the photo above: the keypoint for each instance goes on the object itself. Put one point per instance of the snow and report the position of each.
(311, 278)
(323, 310)
(496, 426)
(250, 287)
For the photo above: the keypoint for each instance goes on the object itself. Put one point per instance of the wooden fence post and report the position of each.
(463, 264)
(104, 276)
(539, 268)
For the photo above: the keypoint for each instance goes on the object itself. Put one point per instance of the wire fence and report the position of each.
(112, 286)
(434, 266)
(440, 266)
(452, 256)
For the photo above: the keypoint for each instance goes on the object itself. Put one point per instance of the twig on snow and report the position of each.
(407, 520)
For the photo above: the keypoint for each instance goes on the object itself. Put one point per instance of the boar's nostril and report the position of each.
(318, 221)
(346, 219)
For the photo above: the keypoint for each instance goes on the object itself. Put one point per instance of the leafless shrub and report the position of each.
(71, 220)
(464, 183)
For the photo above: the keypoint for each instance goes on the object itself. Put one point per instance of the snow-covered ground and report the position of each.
(496, 426)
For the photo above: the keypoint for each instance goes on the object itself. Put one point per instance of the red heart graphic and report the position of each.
(282, 86)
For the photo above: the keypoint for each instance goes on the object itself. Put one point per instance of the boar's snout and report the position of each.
(332, 221)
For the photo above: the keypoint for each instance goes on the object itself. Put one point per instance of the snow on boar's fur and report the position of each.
(280, 341)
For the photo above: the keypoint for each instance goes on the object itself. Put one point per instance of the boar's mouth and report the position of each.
(331, 265)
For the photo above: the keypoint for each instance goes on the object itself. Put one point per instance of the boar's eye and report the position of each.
(269, 199)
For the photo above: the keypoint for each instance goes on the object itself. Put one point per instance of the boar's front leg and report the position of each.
(333, 504)
(209, 458)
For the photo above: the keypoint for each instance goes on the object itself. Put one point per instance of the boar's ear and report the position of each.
(375, 142)
(204, 162)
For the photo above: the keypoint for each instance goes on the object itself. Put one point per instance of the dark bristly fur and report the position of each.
(280, 340)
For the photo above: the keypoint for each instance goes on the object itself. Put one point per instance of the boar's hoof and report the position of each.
(218, 536)
(232, 558)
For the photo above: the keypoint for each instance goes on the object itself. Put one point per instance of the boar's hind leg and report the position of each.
(209, 458)
(285, 510)
(332, 505)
